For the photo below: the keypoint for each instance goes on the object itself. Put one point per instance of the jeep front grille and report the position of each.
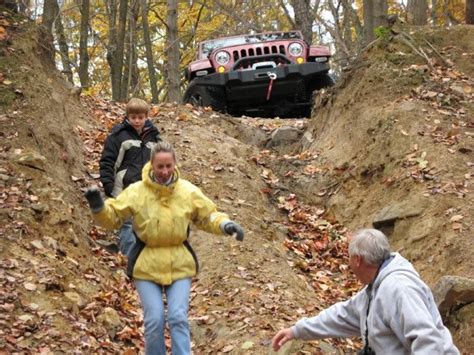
(251, 52)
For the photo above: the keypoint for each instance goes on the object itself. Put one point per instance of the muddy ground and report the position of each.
(384, 137)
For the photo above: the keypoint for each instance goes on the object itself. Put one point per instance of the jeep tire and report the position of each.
(201, 95)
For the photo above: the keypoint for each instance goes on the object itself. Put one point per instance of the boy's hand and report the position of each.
(108, 190)
(96, 203)
(231, 228)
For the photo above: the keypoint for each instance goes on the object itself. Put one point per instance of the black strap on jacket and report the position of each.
(367, 350)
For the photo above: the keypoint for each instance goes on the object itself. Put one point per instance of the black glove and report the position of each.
(230, 228)
(108, 188)
(96, 203)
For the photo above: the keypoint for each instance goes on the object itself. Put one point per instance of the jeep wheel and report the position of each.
(321, 81)
(199, 95)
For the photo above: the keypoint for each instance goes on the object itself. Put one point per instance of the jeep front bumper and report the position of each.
(251, 86)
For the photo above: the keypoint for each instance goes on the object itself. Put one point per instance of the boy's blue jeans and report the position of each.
(126, 237)
(177, 299)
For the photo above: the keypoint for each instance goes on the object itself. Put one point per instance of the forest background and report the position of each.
(123, 48)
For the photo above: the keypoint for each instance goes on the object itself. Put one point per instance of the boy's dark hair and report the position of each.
(136, 105)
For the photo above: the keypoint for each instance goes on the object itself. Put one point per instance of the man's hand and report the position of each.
(231, 228)
(281, 338)
(96, 203)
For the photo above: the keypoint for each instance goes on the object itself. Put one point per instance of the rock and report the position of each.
(284, 135)
(73, 237)
(31, 159)
(37, 244)
(25, 317)
(307, 139)
(457, 88)
(59, 218)
(327, 348)
(111, 320)
(51, 243)
(407, 106)
(286, 349)
(4, 177)
(282, 229)
(197, 330)
(387, 216)
(39, 208)
(247, 345)
(75, 298)
(452, 292)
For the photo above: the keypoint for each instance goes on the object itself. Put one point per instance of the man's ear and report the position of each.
(358, 260)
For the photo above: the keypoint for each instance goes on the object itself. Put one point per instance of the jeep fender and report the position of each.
(202, 64)
(319, 51)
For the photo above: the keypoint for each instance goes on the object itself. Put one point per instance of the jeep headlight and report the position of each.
(222, 57)
(295, 49)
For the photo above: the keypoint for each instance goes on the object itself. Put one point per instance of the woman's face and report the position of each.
(163, 165)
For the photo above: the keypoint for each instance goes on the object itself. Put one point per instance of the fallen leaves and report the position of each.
(3, 33)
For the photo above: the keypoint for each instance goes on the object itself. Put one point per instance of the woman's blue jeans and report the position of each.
(177, 299)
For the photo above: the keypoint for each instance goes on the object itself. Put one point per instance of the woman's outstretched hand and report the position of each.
(96, 203)
(232, 228)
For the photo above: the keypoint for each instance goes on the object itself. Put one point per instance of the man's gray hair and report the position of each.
(371, 244)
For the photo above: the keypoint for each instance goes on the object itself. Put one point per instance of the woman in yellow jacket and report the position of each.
(162, 206)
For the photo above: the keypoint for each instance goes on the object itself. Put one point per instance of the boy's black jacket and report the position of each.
(124, 155)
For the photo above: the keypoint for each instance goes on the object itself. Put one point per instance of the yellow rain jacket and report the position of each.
(161, 218)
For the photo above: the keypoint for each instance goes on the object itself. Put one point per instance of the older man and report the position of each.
(395, 312)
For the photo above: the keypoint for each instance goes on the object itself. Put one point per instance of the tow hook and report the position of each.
(272, 77)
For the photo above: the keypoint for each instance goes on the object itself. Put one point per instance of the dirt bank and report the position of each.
(380, 139)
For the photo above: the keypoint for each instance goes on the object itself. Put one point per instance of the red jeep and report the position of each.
(266, 74)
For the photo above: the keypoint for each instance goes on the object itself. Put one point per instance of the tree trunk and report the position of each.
(380, 13)
(347, 30)
(470, 12)
(172, 45)
(134, 73)
(130, 77)
(115, 52)
(434, 15)
(447, 20)
(62, 43)
(122, 27)
(149, 53)
(49, 7)
(369, 34)
(417, 11)
(303, 18)
(83, 54)
(111, 8)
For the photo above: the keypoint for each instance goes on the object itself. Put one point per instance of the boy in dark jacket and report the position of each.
(126, 151)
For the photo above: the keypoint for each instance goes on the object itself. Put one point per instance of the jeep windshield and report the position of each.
(208, 46)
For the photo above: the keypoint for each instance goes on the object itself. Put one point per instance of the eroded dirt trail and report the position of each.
(62, 291)
(246, 291)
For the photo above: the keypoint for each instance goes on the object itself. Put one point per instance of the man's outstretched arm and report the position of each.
(340, 320)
